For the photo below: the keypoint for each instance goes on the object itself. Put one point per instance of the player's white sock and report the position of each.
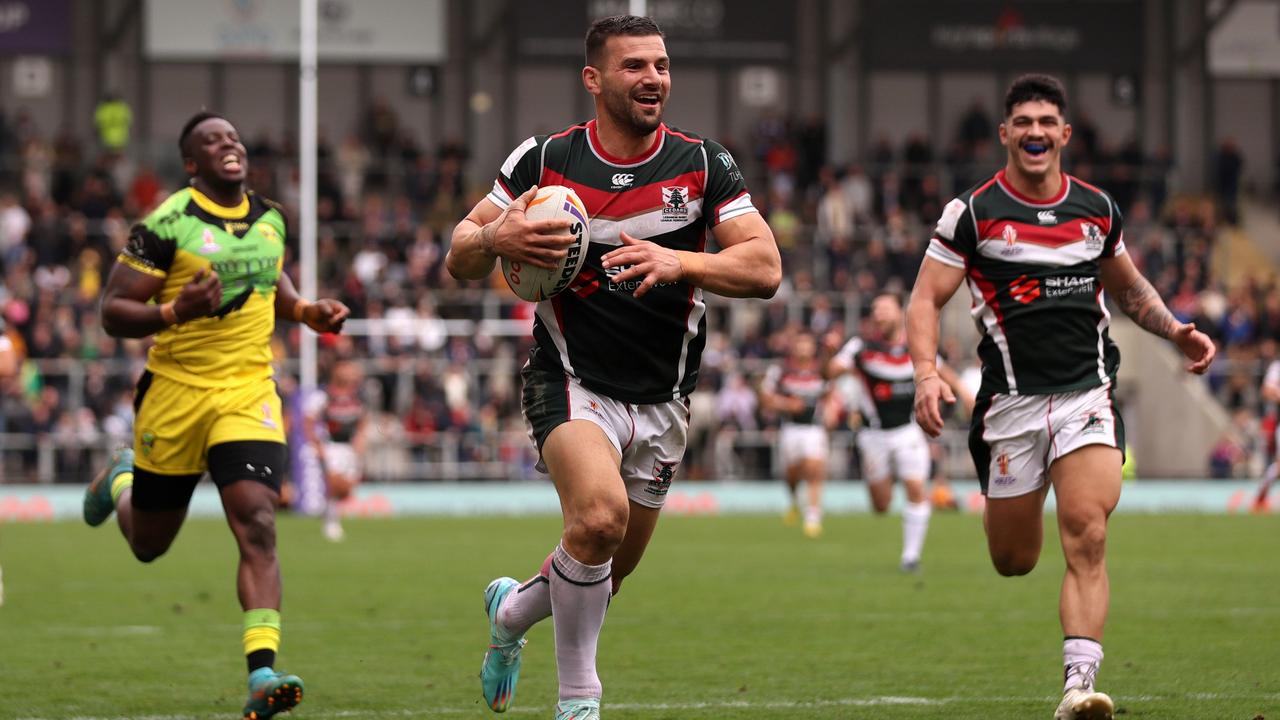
(813, 515)
(1268, 478)
(579, 597)
(915, 525)
(1081, 657)
(528, 604)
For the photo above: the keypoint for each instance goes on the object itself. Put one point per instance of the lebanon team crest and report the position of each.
(675, 202)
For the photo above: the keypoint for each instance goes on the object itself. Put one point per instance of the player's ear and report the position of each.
(1066, 133)
(591, 80)
(1004, 134)
(189, 166)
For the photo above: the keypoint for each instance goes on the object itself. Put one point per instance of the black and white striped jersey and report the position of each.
(639, 350)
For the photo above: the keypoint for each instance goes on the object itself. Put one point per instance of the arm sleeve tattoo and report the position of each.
(1141, 302)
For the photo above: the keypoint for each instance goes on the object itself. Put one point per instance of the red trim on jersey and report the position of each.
(1047, 235)
(1062, 191)
(593, 137)
(681, 135)
(983, 188)
(988, 291)
(558, 306)
(715, 214)
(506, 187)
(566, 131)
(882, 356)
(949, 245)
(1085, 185)
(619, 204)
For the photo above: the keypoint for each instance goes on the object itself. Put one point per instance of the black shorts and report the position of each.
(264, 462)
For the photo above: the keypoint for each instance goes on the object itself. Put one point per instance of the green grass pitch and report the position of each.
(730, 617)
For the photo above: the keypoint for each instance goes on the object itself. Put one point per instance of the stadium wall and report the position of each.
(491, 97)
(36, 503)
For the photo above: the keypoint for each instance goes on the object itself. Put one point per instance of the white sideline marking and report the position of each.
(534, 709)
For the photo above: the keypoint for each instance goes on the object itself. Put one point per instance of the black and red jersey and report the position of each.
(792, 380)
(639, 350)
(888, 381)
(1033, 269)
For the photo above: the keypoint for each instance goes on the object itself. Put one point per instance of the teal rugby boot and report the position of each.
(98, 505)
(501, 668)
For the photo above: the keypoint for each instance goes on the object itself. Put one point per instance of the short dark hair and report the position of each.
(1028, 88)
(191, 125)
(605, 28)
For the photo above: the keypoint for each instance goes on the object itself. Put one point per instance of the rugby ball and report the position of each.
(532, 283)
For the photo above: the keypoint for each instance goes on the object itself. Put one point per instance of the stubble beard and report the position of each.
(618, 104)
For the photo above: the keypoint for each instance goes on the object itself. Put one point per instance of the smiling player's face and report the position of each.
(635, 80)
(216, 155)
(1034, 134)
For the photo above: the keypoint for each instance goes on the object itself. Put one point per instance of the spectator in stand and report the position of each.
(1228, 166)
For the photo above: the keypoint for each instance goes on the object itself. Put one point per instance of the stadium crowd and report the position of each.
(386, 205)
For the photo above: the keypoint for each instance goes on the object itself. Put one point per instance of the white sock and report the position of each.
(1081, 657)
(813, 515)
(579, 598)
(915, 525)
(528, 604)
(1268, 478)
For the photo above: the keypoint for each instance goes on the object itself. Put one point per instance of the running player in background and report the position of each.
(795, 390)
(890, 443)
(337, 424)
(203, 274)
(616, 355)
(1037, 247)
(1271, 395)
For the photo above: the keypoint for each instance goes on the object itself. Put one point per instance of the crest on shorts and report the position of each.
(675, 202)
(1093, 424)
(663, 472)
(1003, 477)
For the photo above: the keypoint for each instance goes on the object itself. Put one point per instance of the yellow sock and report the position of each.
(261, 630)
(119, 483)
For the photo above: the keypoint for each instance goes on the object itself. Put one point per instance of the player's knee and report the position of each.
(257, 531)
(601, 527)
(148, 553)
(1013, 563)
(1087, 543)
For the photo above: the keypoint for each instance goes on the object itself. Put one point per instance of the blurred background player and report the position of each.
(336, 424)
(203, 274)
(606, 388)
(1270, 393)
(890, 443)
(795, 390)
(1037, 248)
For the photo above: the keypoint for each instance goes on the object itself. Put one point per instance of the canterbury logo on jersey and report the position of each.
(1047, 217)
(623, 179)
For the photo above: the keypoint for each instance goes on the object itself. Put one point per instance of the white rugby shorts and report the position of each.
(904, 449)
(650, 438)
(798, 442)
(1015, 438)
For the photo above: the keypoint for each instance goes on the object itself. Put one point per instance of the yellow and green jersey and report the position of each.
(245, 247)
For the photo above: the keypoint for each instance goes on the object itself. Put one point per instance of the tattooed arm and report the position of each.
(1140, 301)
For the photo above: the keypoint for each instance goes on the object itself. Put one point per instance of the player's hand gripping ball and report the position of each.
(553, 202)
